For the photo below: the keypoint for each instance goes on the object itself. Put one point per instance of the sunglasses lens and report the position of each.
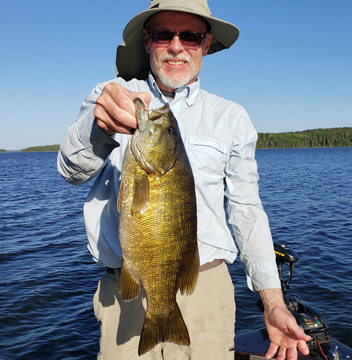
(191, 38)
(188, 38)
(162, 37)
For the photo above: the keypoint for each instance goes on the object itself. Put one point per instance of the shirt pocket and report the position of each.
(208, 158)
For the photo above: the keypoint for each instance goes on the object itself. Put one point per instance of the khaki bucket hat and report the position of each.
(132, 61)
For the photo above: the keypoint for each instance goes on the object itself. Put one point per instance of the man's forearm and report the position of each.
(84, 151)
(272, 298)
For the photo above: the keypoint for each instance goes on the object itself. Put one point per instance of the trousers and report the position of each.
(209, 313)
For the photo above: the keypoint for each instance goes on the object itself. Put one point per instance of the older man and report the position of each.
(160, 62)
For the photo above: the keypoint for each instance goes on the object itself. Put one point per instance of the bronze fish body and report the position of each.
(158, 225)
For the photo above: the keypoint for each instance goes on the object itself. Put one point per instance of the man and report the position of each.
(160, 61)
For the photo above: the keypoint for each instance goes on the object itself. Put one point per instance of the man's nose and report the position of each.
(176, 45)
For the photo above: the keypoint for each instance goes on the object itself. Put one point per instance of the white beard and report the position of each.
(173, 82)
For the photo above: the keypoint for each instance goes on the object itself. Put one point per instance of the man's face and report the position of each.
(176, 63)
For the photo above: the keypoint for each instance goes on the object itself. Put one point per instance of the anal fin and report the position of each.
(188, 280)
(129, 286)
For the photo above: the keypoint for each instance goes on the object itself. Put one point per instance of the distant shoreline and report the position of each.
(333, 137)
(45, 148)
(318, 138)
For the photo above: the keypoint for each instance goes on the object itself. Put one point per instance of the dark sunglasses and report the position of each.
(187, 38)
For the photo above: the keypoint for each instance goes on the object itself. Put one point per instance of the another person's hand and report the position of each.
(284, 333)
(115, 110)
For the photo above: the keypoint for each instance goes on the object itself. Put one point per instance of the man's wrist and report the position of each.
(272, 298)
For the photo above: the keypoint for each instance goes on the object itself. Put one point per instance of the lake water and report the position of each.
(48, 278)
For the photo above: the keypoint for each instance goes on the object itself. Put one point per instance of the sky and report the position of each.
(291, 67)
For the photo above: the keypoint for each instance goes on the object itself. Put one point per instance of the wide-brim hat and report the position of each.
(132, 61)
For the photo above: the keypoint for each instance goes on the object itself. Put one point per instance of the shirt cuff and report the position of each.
(93, 137)
(262, 276)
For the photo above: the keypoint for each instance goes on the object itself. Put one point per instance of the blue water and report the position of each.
(48, 278)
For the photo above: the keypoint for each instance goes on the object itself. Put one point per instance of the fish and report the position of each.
(158, 225)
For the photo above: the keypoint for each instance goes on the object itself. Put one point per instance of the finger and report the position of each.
(145, 97)
(121, 108)
(291, 353)
(303, 347)
(271, 351)
(125, 98)
(298, 332)
(118, 103)
(110, 130)
(114, 118)
(125, 110)
(281, 354)
(110, 126)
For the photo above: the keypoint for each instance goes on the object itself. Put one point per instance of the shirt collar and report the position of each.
(188, 92)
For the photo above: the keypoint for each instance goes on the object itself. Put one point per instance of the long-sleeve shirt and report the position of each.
(220, 142)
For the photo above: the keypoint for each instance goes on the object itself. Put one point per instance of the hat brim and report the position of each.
(132, 61)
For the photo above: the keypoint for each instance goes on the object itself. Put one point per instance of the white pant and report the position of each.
(209, 314)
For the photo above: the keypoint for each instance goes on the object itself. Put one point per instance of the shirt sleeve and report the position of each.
(86, 147)
(246, 214)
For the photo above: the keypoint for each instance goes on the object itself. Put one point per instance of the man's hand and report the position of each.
(115, 110)
(284, 333)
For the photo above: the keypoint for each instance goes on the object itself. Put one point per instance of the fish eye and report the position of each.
(171, 130)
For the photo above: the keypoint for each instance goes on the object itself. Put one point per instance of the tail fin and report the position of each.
(171, 329)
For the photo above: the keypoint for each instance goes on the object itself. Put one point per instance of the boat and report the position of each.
(253, 345)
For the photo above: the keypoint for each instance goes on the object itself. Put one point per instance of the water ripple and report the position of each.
(48, 278)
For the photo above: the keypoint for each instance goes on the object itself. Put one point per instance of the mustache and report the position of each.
(179, 57)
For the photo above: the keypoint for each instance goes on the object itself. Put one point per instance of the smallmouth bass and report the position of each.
(158, 225)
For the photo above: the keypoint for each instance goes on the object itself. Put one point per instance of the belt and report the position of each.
(204, 267)
(111, 271)
(210, 265)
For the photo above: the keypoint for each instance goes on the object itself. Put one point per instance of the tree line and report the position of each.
(46, 148)
(334, 137)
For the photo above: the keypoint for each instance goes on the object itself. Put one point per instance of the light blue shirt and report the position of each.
(220, 141)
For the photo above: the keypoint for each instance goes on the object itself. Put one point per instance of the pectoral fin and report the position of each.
(141, 194)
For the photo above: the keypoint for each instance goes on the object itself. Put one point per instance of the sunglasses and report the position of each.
(187, 38)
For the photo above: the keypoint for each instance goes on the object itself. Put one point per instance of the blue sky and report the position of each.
(291, 67)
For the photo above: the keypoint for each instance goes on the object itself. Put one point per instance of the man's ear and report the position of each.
(207, 43)
(146, 42)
